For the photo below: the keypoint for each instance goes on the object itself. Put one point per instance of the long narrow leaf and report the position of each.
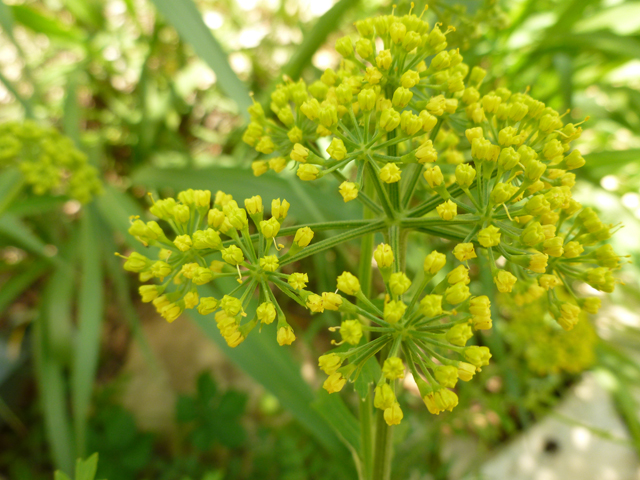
(316, 37)
(187, 20)
(273, 367)
(17, 232)
(18, 284)
(90, 313)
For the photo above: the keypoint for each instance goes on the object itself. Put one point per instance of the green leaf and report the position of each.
(19, 283)
(52, 388)
(60, 476)
(335, 412)
(11, 183)
(15, 230)
(50, 26)
(6, 18)
(370, 373)
(316, 37)
(187, 20)
(242, 184)
(599, 164)
(115, 208)
(273, 367)
(90, 314)
(86, 469)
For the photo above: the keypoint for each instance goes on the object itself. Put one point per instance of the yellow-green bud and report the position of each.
(329, 363)
(383, 255)
(269, 263)
(367, 99)
(459, 334)
(349, 191)
(457, 293)
(393, 368)
(298, 280)
(431, 305)
(303, 237)
(307, 172)
(389, 119)
(266, 313)
(447, 210)
(232, 255)
(401, 97)
(465, 174)
(504, 281)
(183, 242)
(478, 356)
(348, 283)
(351, 331)
(399, 283)
(209, 238)
(446, 375)
(489, 237)
(337, 149)
(390, 173)
(464, 252)
(434, 262)
(207, 305)
(393, 311)
(344, 46)
(270, 228)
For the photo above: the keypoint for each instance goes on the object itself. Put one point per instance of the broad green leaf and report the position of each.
(316, 37)
(17, 232)
(90, 314)
(11, 183)
(53, 402)
(187, 20)
(335, 412)
(274, 368)
(49, 26)
(20, 282)
(242, 184)
(86, 469)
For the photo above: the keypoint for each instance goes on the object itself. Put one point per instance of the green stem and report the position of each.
(383, 448)
(335, 240)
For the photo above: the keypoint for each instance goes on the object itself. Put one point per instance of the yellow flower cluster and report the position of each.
(49, 162)
(209, 243)
(422, 330)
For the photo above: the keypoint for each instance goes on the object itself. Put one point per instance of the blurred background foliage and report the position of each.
(153, 93)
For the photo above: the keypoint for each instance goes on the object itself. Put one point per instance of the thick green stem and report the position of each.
(383, 448)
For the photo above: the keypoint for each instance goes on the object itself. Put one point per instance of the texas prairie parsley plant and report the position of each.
(413, 134)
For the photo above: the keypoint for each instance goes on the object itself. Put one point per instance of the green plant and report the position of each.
(382, 117)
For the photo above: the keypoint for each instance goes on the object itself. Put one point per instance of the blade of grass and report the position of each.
(15, 230)
(273, 367)
(11, 183)
(316, 37)
(333, 409)
(52, 387)
(18, 284)
(187, 20)
(90, 314)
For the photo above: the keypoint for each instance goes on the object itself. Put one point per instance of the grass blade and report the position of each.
(273, 367)
(316, 37)
(187, 20)
(16, 231)
(90, 314)
(18, 284)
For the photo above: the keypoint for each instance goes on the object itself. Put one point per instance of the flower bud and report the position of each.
(364, 48)
(428, 121)
(397, 31)
(569, 316)
(303, 236)
(307, 172)
(457, 293)
(573, 249)
(401, 97)
(458, 274)
(367, 99)
(269, 263)
(266, 313)
(504, 281)
(426, 153)
(314, 303)
(574, 160)
(349, 191)
(160, 269)
(348, 283)
(478, 356)
(459, 334)
(384, 59)
(334, 383)
(207, 305)
(298, 280)
(148, 293)
(466, 371)
(351, 331)
(136, 263)
(383, 255)
(431, 305)
(384, 397)
(447, 210)
(277, 164)
(331, 301)
(270, 228)
(393, 311)
(393, 368)
(389, 119)
(279, 209)
(390, 173)
(434, 262)
(232, 255)
(489, 237)
(446, 375)
(253, 205)
(399, 283)
(464, 251)
(410, 123)
(329, 363)
(410, 79)
(537, 205)
(344, 46)
(465, 174)
(287, 337)
(411, 41)
(591, 305)
(433, 176)
(183, 242)
(209, 238)
(477, 75)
